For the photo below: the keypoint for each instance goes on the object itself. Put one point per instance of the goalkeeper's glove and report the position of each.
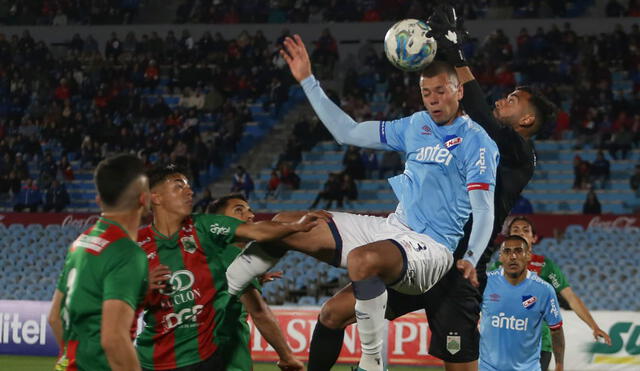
(447, 29)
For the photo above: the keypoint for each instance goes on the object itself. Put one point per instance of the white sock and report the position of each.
(252, 262)
(370, 317)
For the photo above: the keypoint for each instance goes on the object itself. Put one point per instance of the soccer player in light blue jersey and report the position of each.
(515, 302)
(450, 173)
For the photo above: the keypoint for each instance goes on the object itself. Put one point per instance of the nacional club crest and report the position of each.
(189, 244)
(453, 344)
(528, 301)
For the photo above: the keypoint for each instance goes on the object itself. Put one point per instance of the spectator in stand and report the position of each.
(391, 162)
(202, 205)
(349, 188)
(56, 197)
(28, 198)
(522, 206)
(273, 185)
(600, 171)
(370, 163)
(48, 170)
(352, 161)
(634, 181)
(288, 177)
(581, 171)
(331, 191)
(591, 204)
(242, 182)
(621, 141)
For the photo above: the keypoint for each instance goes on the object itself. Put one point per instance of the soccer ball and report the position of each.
(407, 45)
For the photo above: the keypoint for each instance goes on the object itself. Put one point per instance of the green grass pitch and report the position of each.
(28, 363)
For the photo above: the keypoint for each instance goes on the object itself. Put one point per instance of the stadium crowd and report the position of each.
(67, 12)
(141, 94)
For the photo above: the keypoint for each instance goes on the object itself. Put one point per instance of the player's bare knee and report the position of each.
(288, 216)
(363, 263)
(329, 318)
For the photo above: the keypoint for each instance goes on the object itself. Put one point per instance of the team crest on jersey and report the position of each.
(528, 301)
(452, 141)
(426, 130)
(453, 344)
(189, 244)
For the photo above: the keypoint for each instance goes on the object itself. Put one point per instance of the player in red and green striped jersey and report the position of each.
(551, 273)
(191, 320)
(104, 276)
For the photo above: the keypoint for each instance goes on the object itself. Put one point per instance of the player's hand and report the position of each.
(447, 29)
(158, 277)
(599, 333)
(269, 276)
(295, 54)
(310, 220)
(291, 365)
(468, 271)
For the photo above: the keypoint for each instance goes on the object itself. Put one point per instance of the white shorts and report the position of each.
(425, 260)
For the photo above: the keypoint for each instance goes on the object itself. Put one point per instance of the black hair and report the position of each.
(544, 109)
(160, 173)
(514, 237)
(216, 206)
(524, 219)
(113, 176)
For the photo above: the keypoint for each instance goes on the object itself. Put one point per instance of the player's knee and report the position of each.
(288, 216)
(331, 316)
(363, 263)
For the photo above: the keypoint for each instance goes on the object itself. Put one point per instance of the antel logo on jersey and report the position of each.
(509, 323)
(481, 161)
(181, 280)
(528, 301)
(434, 154)
(452, 141)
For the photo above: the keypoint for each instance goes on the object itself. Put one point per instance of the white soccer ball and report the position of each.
(407, 45)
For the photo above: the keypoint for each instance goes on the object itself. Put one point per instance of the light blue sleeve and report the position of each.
(552, 314)
(480, 158)
(392, 133)
(482, 209)
(344, 129)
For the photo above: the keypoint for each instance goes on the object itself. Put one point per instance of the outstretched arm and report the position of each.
(448, 32)
(344, 129)
(268, 231)
(581, 310)
(269, 327)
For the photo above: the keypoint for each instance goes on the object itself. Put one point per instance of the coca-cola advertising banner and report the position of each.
(546, 224)
(407, 338)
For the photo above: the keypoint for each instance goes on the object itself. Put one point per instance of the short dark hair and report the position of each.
(114, 175)
(524, 219)
(160, 173)
(544, 109)
(514, 237)
(438, 67)
(216, 206)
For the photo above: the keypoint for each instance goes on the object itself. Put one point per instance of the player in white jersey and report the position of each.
(450, 173)
(515, 302)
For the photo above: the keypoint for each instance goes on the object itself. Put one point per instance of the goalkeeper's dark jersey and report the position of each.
(517, 163)
(195, 316)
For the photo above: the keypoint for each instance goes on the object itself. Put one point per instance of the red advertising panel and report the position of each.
(408, 338)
